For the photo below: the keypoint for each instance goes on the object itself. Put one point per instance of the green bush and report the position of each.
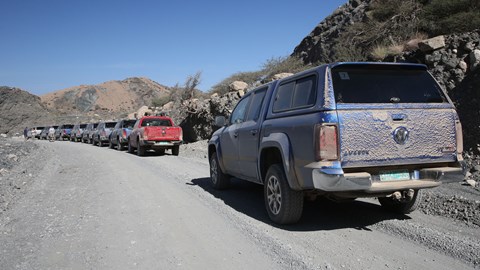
(248, 77)
(271, 67)
(450, 16)
(159, 102)
(289, 64)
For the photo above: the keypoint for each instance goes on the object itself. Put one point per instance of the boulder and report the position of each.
(240, 93)
(281, 76)
(168, 106)
(463, 66)
(143, 111)
(132, 115)
(238, 86)
(474, 59)
(471, 182)
(432, 44)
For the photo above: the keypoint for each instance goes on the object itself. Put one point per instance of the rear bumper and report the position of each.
(334, 180)
(160, 144)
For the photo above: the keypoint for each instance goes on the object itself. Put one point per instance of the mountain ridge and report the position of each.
(114, 96)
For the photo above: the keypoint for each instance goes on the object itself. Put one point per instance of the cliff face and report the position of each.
(112, 96)
(320, 45)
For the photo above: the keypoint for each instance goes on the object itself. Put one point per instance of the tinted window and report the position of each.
(385, 84)
(297, 94)
(110, 124)
(83, 125)
(238, 115)
(155, 122)
(256, 105)
(283, 97)
(129, 123)
(304, 93)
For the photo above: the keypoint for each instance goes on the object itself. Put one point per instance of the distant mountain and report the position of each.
(19, 109)
(112, 96)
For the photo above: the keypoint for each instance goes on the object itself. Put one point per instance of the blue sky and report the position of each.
(50, 45)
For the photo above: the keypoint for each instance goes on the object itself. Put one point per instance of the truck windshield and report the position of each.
(155, 123)
(384, 84)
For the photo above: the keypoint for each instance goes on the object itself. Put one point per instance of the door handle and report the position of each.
(254, 132)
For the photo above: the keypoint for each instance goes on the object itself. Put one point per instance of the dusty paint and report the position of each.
(328, 90)
(366, 136)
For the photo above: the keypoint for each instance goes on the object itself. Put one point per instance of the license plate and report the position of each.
(394, 176)
(162, 143)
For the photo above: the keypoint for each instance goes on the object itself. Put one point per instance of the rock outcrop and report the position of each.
(319, 45)
(19, 109)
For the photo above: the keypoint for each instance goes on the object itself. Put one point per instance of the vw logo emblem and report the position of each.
(400, 135)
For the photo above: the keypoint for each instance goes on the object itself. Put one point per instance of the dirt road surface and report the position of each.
(97, 208)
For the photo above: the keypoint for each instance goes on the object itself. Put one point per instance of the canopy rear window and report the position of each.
(385, 84)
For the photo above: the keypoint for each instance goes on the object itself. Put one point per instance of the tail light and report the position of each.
(459, 135)
(181, 135)
(124, 133)
(145, 134)
(326, 145)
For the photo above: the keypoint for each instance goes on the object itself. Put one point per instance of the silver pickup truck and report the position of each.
(343, 131)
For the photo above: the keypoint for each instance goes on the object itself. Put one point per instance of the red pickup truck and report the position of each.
(155, 133)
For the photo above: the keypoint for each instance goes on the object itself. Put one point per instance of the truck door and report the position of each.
(248, 135)
(229, 137)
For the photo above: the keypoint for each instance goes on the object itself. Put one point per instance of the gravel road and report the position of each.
(86, 207)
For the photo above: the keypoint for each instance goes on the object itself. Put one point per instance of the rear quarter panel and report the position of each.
(298, 127)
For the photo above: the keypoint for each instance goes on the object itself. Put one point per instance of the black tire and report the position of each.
(218, 179)
(100, 143)
(110, 144)
(284, 205)
(130, 148)
(402, 207)
(176, 150)
(140, 149)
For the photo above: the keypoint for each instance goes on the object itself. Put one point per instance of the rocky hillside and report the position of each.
(113, 96)
(18, 109)
(322, 44)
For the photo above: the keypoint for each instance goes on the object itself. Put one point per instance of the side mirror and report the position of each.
(220, 121)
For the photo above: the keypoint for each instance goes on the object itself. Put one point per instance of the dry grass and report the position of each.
(380, 52)
(412, 43)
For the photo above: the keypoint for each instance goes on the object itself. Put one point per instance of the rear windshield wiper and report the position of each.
(394, 99)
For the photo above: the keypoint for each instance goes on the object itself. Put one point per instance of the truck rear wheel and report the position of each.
(130, 147)
(176, 150)
(140, 149)
(402, 206)
(284, 205)
(219, 179)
